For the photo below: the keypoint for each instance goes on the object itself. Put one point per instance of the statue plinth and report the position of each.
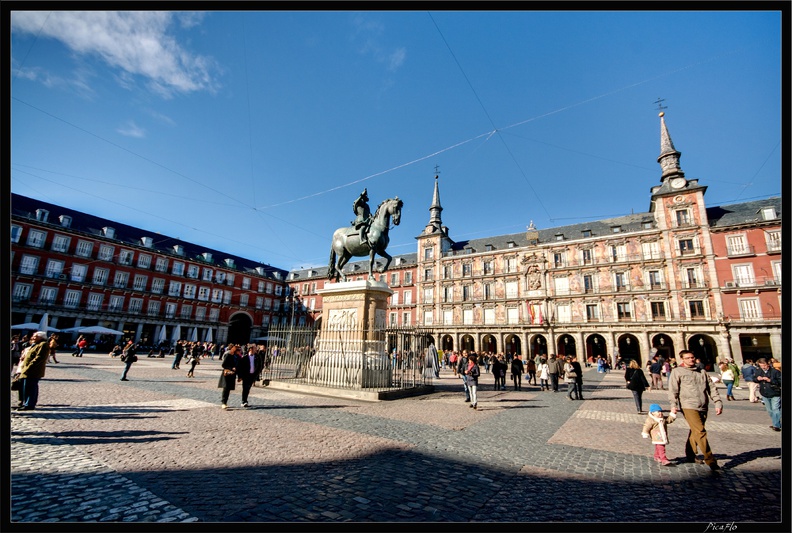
(351, 349)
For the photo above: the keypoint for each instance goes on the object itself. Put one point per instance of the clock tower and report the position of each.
(680, 213)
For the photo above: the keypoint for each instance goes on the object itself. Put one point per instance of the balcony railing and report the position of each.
(773, 246)
(745, 283)
(740, 250)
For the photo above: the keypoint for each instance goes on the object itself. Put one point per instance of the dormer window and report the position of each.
(511, 244)
(229, 263)
(260, 270)
(559, 237)
(42, 215)
(65, 221)
(207, 257)
(277, 275)
(647, 224)
(768, 213)
(178, 249)
(616, 229)
(489, 247)
(146, 242)
(586, 233)
(108, 232)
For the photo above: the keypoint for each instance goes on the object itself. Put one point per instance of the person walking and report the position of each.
(129, 356)
(579, 378)
(53, 346)
(496, 371)
(691, 390)
(769, 380)
(735, 371)
(248, 367)
(228, 376)
(517, 369)
(554, 371)
(80, 346)
(16, 351)
(178, 354)
(193, 361)
(637, 383)
(656, 371)
(530, 365)
(459, 367)
(727, 376)
(570, 379)
(472, 373)
(656, 428)
(544, 376)
(749, 375)
(31, 369)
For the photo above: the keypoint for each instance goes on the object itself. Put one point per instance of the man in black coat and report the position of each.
(517, 369)
(248, 368)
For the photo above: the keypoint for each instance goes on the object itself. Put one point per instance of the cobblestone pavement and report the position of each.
(158, 448)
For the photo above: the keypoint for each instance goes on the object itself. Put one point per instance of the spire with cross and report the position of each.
(660, 105)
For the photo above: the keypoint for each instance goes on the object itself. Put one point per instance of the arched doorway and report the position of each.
(596, 347)
(539, 346)
(664, 346)
(466, 343)
(448, 343)
(566, 345)
(756, 345)
(239, 328)
(629, 349)
(489, 344)
(429, 339)
(704, 348)
(513, 345)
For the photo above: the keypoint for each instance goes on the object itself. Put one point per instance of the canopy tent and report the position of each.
(163, 334)
(99, 330)
(32, 326)
(176, 335)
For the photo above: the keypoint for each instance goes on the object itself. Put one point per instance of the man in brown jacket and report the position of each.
(31, 370)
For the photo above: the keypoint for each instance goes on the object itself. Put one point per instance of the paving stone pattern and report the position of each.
(158, 448)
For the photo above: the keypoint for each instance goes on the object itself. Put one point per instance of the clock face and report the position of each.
(678, 183)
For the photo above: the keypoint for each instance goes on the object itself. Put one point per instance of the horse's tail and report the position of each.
(331, 269)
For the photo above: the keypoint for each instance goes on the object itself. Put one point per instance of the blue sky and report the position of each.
(253, 132)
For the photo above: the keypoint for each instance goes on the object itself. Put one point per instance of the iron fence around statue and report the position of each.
(340, 357)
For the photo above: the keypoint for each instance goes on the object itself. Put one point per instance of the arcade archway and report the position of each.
(513, 345)
(566, 345)
(467, 343)
(447, 343)
(239, 328)
(664, 346)
(704, 348)
(538, 346)
(630, 349)
(596, 347)
(489, 344)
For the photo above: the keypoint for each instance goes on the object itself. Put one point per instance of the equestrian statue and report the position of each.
(366, 236)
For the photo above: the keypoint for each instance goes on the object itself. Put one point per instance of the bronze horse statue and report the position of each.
(347, 244)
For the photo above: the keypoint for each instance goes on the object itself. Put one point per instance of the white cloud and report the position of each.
(130, 129)
(368, 34)
(138, 43)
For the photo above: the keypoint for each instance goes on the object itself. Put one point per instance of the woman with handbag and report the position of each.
(637, 383)
(228, 376)
(128, 356)
(570, 378)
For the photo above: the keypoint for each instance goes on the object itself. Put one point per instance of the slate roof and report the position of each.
(743, 213)
(90, 225)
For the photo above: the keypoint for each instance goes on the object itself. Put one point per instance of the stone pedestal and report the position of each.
(351, 350)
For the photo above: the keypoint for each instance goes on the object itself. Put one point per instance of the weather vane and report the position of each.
(437, 170)
(660, 105)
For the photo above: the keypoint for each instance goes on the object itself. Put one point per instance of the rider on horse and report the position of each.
(361, 208)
